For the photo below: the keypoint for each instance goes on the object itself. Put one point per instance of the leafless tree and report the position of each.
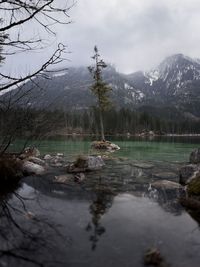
(16, 16)
(43, 14)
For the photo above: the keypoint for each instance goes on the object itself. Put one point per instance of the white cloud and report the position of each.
(132, 34)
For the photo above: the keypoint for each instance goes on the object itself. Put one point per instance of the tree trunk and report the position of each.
(101, 125)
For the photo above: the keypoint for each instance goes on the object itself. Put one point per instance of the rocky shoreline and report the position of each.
(182, 181)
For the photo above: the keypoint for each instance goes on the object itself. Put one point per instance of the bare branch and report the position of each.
(19, 22)
(53, 60)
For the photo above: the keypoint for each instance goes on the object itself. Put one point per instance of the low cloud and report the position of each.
(133, 35)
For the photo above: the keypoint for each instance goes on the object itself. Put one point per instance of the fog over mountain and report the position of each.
(133, 35)
(170, 89)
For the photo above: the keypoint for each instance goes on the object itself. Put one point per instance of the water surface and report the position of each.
(110, 219)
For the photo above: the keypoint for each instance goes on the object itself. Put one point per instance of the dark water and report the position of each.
(110, 219)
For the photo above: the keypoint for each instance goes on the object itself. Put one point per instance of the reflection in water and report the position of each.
(24, 236)
(33, 239)
(168, 199)
(100, 205)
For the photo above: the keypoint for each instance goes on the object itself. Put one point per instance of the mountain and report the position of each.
(171, 90)
(69, 89)
(174, 83)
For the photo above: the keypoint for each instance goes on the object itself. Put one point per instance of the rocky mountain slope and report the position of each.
(172, 89)
(175, 82)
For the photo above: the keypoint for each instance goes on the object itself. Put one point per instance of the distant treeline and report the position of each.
(27, 122)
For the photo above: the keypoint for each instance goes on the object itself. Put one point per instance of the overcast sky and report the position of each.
(131, 34)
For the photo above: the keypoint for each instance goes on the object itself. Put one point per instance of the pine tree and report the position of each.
(99, 88)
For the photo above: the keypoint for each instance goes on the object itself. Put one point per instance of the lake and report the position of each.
(111, 218)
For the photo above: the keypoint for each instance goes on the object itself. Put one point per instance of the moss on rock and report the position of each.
(193, 188)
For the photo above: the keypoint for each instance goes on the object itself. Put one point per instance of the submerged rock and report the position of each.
(153, 258)
(30, 168)
(165, 184)
(166, 175)
(195, 156)
(95, 163)
(63, 178)
(143, 165)
(86, 163)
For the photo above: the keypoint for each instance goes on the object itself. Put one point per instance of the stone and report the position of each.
(86, 163)
(30, 168)
(187, 173)
(195, 156)
(79, 177)
(113, 147)
(60, 155)
(165, 184)
(193, 187)
(30, 152)
(136, 172)
(153, 258)
(37, 161)
(62, 178)
(95, 163)
(142, 165)
(105, 145)
(47, 157)
(190, 203)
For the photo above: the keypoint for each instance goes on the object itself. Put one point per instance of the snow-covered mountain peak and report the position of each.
(177, 69)
(177, 61)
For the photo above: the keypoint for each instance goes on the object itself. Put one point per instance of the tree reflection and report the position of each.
(102, 202)
(24, 236)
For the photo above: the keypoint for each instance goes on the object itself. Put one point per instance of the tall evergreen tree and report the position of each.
(99, 88)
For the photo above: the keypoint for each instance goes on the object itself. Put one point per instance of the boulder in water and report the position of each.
(86, 163)
(37, 161)
(187, 173)
(30, 168)
(30, 152)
